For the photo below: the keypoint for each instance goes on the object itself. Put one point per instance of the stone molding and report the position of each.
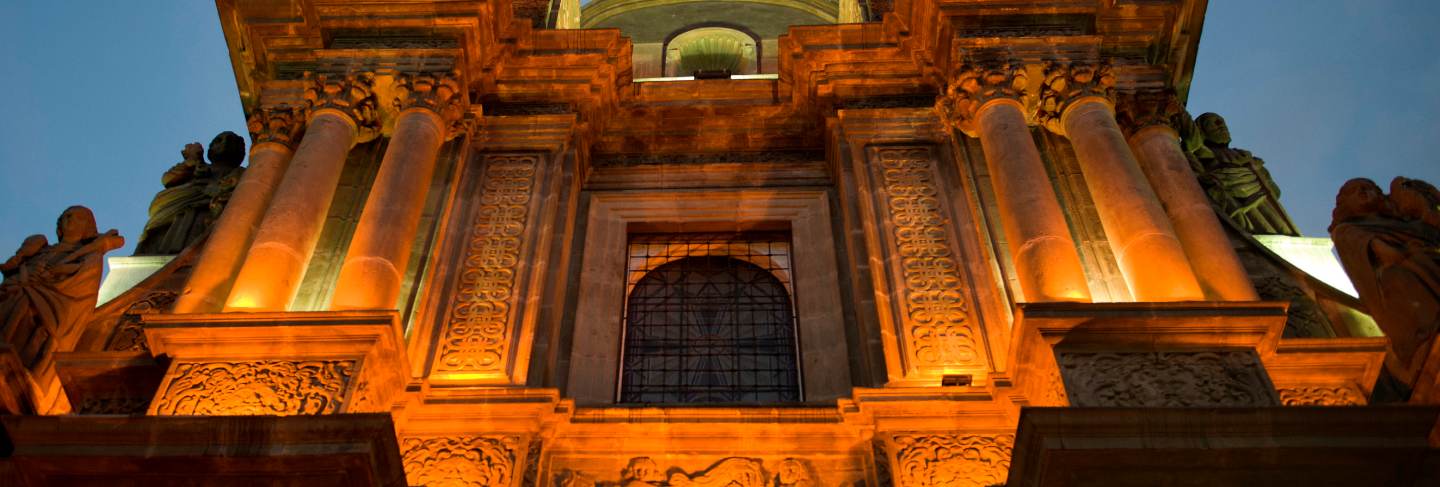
(924, 459)
(351, 94)
(1137, 110)
(976, 84)
(256, 387)
(478, 461)
(280, 124)
(439, 92)
(1165, 379)
(1067, 82)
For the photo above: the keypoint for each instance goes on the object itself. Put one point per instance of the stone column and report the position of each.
(374, 266)
(984, 102)
(1147, 116)
(343, 112)
(1077, 101)
(274, 130)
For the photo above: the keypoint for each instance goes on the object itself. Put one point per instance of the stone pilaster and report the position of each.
(1148, 118)
(343, 112)
(1077, 101)
(431, 106)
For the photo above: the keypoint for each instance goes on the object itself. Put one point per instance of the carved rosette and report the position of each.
(973, 86)
(281, 124)
(1321, 396)
(924, 460)
(439, 92)
(1147, 108)
(480, 324)
(936, 328)
(352, 94)
(1068, 82)
(263, 387)
(1165, 379)
(460, 461)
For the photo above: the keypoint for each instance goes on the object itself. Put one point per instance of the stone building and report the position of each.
(722, 242)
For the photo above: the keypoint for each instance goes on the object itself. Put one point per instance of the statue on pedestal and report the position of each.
(50, 290)
(1390, 247)
(1236, 180)
(195, 193)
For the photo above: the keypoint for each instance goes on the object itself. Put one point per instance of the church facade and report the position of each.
(710, 242)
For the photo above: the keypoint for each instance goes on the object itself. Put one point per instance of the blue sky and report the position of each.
(101, 96)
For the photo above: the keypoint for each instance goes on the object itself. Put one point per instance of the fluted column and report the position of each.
(1148, 117)
(274, 130)
(374, 266)
(343, 110)
(984, 102)
(1077, 100)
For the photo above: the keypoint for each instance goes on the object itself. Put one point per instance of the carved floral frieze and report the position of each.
(1165, 379)
(460, 461)
(1320, 396)
(927, 459)
(936, 326)
(262, 387)
(479, 324)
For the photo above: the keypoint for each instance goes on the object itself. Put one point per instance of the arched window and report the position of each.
(710, 329)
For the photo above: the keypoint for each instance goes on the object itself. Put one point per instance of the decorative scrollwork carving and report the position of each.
(352, 94)
(439, 92)
(1320, 396)
(459, 461)
(976, 84)
(936, 329)
(113, 405)
(1067, 82)
(265, 387)
(279, 124)
(1165, 379)
(953, 460)
(480, 326)
(129, 336)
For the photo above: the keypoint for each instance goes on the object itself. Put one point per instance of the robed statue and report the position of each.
(1236, 181)
(195, 193)
(1390, 247)
(50, 289)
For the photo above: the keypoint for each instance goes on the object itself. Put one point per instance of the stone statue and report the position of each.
(194, 195)
(50, 290)
(1236, 180)
(1390, 247)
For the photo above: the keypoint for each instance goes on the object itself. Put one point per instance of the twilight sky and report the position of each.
(101, 96)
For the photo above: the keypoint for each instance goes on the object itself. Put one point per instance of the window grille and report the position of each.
(709, 318)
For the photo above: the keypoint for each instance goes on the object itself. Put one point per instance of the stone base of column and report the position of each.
(1106, 354)
(278, 363)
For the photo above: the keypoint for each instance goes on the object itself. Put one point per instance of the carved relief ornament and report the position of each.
(1069, 81)
(728, 472)
(976, 84)
(352, 94)
(1136, 110)
(480, 325)
(1320, 396)
(262, 387)
(280, 124)
(460, 461)
(438, 92)
(936, 328)
(924, 460)
(1165, 379)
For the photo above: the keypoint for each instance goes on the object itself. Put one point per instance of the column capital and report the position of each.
(280, 124)
(976, 84)
(1140, 109)
(352, 94)
(439, 92)
(1067, 82)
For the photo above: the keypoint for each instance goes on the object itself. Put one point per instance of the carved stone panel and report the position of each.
(481, 321)
(935, 325)
(460, 461)
(1165, 379)
(1321, 396)
(263, 387)
(727, 472)
(926, 459)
